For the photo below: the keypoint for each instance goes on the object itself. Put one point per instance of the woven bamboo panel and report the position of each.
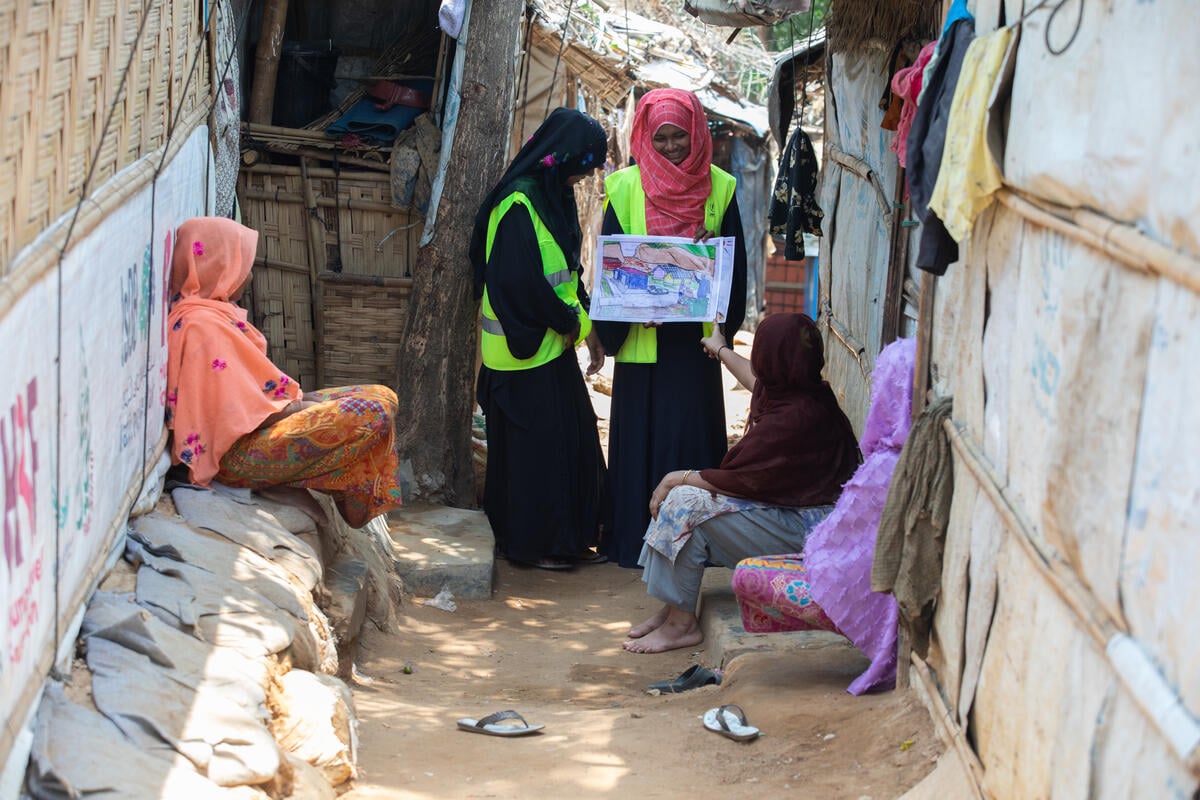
(362, 323)
(61, 67)
(373, 237)
(281, 292)
(349, 216)
(283, 311)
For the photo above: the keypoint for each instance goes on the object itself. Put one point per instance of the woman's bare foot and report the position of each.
(681, 629)
(652, 624)
(297, 497)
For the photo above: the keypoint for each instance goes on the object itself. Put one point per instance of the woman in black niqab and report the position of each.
(567, 144)
(545, 494)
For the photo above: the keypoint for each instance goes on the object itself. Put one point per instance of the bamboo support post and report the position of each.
(321, 202)
(213, 80)
(924, 344)
(266, 61)
(1121, 242)
(949, 731)
(893, 301)
(316, 263)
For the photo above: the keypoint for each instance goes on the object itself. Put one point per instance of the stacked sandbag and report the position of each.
(207, 676)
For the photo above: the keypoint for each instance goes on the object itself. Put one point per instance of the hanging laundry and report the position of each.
(969, 173)
(451, 14)
(794, 210)
(927, 141)
(906, 84)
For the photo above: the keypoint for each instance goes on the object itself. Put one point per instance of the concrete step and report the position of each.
(724, 637)
(437, 547)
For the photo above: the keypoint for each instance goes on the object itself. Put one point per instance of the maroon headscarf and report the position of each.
(799, 447)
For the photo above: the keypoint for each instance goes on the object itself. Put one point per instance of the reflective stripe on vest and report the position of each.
(493, 346)
(623, 191)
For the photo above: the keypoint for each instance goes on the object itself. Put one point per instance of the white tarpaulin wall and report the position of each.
(1065, 645)
(68, 482)
(1122, 97)
(1064, 641)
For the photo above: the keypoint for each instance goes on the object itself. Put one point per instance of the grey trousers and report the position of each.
(723, 541)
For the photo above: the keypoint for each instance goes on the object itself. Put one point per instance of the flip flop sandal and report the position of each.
(693, 678)
(490, 726)
(730, 722)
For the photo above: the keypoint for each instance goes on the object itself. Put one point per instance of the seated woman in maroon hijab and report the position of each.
(771, 489)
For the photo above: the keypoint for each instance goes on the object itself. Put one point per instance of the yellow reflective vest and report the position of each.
(623, 191)
(493, 345)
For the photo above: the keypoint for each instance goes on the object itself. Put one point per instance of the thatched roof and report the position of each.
(858, 24)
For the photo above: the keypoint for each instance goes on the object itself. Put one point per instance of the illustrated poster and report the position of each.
(661, 279)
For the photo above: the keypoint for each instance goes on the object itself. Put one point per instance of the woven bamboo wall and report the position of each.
(61, 70)
(346, 219)
(362, 324)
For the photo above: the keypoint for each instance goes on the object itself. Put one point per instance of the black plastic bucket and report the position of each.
(306, 77)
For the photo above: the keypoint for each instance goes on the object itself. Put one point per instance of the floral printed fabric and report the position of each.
(220, 383)
(774, 596)
(343, 446)
(794, 210)
(685, 508)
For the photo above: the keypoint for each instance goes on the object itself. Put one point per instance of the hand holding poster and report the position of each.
(661, 279)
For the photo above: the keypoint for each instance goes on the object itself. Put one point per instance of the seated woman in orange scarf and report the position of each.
(237, 419)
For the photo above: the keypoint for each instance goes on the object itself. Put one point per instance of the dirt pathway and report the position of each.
(548, 645)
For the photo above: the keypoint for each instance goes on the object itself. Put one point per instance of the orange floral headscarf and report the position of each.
(220, 383)
(675, 195)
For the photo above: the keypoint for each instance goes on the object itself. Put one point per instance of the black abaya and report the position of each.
(668, 415)
(544, 492)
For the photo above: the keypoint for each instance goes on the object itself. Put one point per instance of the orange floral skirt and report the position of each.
(345, 447)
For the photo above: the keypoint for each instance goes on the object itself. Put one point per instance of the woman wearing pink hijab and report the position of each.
(239, 420)
(668, 409)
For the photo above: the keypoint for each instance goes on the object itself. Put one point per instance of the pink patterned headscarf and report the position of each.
(675, 195)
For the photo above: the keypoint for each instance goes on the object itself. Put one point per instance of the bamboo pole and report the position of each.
(316, 263)
(1096, 620)
(924, 344)
(949, 731)
(1135, 672)
(1120, 241)
(311, 153)
(316, 172)
(266, 61)
(321, 202)
(865, 171)
(893, 300)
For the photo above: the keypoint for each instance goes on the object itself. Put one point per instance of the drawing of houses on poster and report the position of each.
(661, 279)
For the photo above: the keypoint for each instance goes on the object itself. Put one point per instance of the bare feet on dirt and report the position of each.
(654, 623)
(680, 629)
